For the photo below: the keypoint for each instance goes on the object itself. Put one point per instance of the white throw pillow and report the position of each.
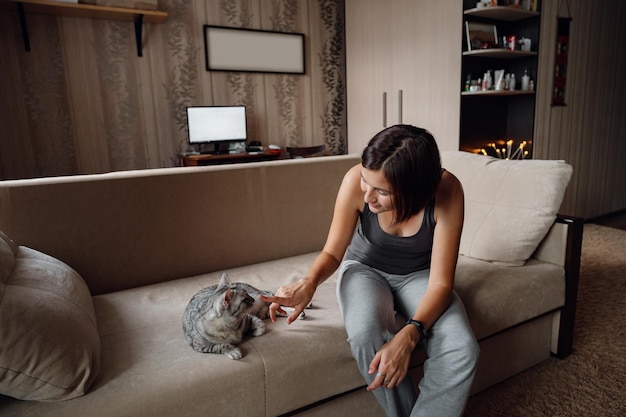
(49, 342)
(509, 204)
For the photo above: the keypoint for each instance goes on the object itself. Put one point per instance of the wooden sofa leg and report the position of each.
(572, 272)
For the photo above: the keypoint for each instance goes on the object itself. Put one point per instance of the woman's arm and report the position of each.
(449, 214)
(345, 216)
(393, 358)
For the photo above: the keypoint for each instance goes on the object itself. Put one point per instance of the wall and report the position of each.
(590, 131)
(82, 101)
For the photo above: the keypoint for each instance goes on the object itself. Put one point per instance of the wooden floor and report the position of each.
(616, 220)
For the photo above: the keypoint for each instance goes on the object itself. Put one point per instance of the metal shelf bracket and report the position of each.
(138, 33)
(24, 26)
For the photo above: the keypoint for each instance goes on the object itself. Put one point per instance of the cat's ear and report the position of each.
(224, 281)
(224, 302)
(228, 295)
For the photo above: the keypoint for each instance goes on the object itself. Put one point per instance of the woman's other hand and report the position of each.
(391, 362)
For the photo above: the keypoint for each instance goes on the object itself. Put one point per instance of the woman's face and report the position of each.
(377, 190)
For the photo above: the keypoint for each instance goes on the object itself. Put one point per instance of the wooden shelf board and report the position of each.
(507, 13)
(497, 93)
(90, 11)
(499, 53)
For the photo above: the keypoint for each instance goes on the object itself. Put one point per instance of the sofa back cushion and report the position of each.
(127, 229)
(509, 204)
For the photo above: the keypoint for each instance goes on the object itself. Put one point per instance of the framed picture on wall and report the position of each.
(480, 36)
(251, 50)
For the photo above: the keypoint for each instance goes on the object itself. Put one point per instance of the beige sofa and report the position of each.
(145, 241)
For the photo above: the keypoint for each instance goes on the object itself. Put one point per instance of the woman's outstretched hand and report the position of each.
(296, 295)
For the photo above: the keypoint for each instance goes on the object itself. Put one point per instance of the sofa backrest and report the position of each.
(127, 229)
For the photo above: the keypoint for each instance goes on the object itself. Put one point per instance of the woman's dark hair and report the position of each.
(409, 158)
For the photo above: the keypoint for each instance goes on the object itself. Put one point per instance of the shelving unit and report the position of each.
(138, 16)
(497, 116)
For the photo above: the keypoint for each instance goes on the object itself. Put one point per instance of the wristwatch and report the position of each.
(420, 328)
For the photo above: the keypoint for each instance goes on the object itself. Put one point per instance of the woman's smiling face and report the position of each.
(377, 190)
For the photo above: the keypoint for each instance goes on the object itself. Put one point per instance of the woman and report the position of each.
(398, 265)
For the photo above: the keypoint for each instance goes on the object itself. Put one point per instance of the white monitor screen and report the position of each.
(216, 123)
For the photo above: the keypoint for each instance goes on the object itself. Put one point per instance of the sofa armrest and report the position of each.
(553, 247)
(571, 263)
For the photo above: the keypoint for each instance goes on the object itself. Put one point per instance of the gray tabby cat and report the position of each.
(217, 317)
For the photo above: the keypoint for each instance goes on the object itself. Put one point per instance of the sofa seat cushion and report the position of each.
(49, 343)
(145, 352)
(295, 365)
(506, 198)
(498, 296)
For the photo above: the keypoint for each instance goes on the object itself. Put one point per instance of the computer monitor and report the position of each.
(216, 125)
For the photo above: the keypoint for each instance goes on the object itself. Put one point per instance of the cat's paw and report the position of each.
(232, 353)
(290, 310)
(258, 327)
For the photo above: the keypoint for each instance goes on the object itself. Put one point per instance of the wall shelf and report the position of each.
(499, 53)
(510, 14)
(497, 93)
(138, 16)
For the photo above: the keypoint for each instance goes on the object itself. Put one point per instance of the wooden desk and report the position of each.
(228, 158)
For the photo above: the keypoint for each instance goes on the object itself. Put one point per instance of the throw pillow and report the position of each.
(509, 204)
(49, 343)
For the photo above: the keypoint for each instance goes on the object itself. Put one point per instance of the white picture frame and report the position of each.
(252, 50)
(480, 34)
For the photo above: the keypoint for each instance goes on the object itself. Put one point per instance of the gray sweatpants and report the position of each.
(374, 306)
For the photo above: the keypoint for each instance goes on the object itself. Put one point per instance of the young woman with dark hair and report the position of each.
(395, 238)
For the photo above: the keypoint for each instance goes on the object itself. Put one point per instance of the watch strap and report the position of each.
(420, 328)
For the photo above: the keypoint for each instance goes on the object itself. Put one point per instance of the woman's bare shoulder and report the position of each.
(355, 171)
(450, 197)
(350, 191)
(352, 179)
(450, 184)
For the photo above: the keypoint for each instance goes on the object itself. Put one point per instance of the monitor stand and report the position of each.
(215, 151)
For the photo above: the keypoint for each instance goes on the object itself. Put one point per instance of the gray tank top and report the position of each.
(392, 254)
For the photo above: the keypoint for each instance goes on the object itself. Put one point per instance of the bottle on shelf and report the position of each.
(499, 80)
(512, 82)
(525, 80)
